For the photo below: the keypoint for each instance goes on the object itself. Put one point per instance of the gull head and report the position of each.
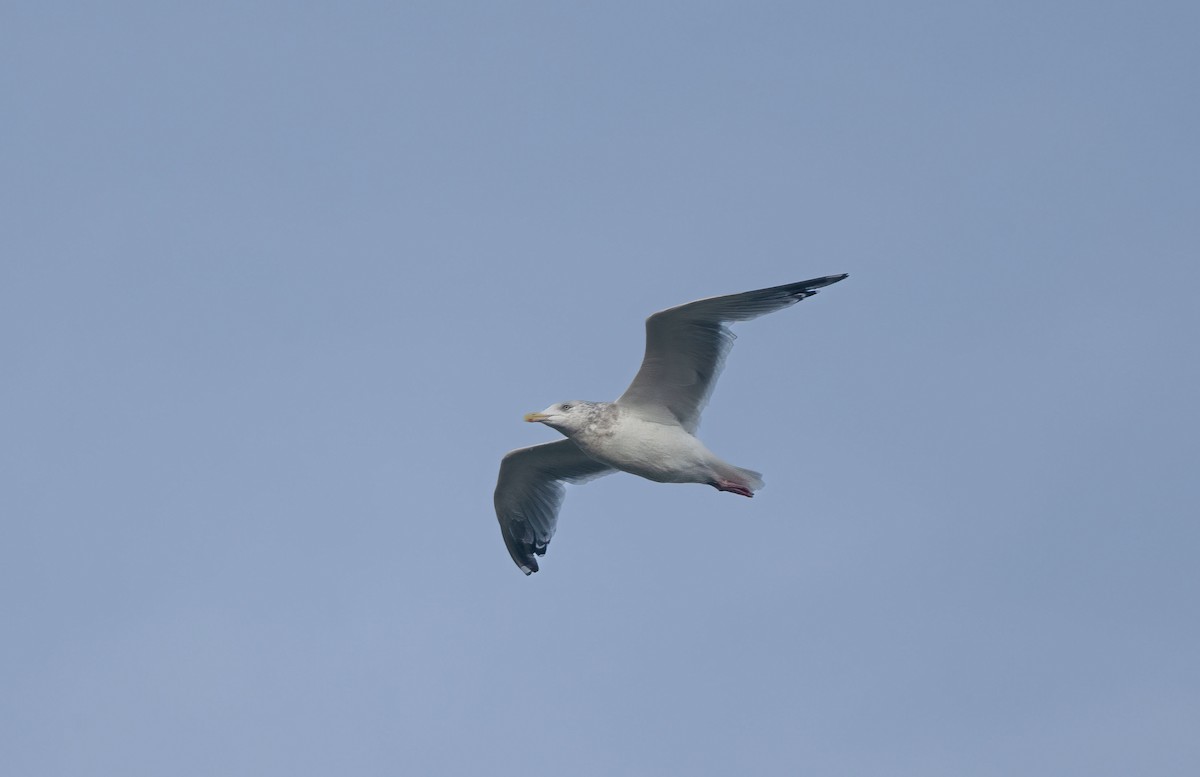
(564, 416)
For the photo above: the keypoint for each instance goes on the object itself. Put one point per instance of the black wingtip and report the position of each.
(521, 550)
(805, 289)
(828, 280)
(527, 563)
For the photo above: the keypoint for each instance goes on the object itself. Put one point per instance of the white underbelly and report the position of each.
(661, 453)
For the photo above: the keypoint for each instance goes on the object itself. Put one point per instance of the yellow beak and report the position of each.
(531, 417)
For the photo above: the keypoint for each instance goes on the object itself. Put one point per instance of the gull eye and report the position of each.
(565, 406)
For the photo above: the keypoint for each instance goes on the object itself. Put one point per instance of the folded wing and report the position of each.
(530, 490)
(686, 348)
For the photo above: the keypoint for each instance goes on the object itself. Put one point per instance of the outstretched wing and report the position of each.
(530, 490)
(686, 347)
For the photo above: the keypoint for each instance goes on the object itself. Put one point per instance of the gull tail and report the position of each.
(736, 479)
(752, 479)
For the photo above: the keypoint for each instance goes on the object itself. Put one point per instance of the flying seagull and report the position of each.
(650, 429)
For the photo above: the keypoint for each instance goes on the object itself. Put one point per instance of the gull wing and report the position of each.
(686, 348)
(530, 490)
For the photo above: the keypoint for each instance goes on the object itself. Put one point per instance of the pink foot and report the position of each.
(733, 488)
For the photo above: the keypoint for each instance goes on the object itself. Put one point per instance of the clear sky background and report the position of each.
(278, 281)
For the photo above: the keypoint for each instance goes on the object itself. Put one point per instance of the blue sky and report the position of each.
(279, 281)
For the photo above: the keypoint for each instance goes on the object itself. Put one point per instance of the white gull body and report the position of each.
(644, 442)
(649, 431)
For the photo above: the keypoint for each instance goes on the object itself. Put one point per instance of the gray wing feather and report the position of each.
(529, 492)
(686, 347)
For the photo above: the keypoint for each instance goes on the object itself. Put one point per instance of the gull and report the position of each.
(649, 431)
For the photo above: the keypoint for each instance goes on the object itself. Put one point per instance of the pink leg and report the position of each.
(732, 487)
